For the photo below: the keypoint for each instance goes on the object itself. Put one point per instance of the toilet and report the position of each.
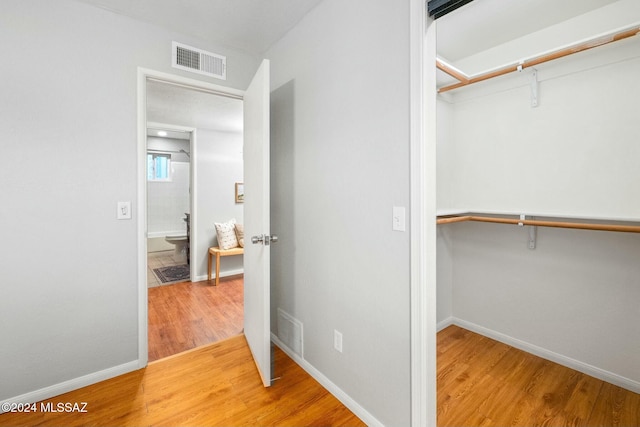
(181, 244)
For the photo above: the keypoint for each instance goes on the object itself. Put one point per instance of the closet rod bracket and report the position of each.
(532, 230)
(534, 88)
(533, 235)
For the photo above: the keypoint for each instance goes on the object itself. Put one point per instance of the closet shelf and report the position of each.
(449, 219)
(465, 80)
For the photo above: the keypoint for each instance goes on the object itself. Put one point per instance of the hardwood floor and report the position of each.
(186, 315)
(214, 385)
(482, 382)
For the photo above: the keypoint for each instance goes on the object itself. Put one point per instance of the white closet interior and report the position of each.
(558, 142)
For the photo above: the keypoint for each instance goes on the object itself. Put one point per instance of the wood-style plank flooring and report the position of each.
(213, 385)
(482, 382)
(186, 315)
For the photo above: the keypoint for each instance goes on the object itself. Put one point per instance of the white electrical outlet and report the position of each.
(337, 340)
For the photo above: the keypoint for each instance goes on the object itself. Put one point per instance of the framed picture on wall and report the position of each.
(239, 192)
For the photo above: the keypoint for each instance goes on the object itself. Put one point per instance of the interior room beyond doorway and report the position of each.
(188, 311)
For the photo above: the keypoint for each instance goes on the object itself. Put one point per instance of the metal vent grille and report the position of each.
(188, 58)
(290, 332)
(199, 61)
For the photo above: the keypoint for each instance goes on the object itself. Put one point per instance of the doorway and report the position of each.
(168, 203)
(256, 258)
(193, 169)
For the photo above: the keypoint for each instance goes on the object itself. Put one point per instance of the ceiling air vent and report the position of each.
(199, 61)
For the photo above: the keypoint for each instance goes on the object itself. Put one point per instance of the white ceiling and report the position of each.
(254, 25)
(248, 25)
(176, 105)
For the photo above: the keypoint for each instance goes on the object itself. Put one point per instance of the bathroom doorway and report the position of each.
(168, 204)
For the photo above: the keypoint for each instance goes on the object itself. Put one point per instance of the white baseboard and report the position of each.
(222, 274)
(560, 359)
(444, 323)
(70, 385)
(163, 234)
(343, 397)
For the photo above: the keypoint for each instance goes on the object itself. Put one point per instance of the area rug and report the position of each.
(174, 273)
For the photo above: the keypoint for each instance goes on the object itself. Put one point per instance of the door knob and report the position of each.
(265, 239)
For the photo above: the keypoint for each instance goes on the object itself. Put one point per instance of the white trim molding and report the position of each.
(70, 385)
(423, 207)
(227, 273)
(444, 323)
(336, 391)
(145, 75)
(560, 359)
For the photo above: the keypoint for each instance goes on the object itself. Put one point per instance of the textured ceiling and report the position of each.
(251, 26)
(176, 105)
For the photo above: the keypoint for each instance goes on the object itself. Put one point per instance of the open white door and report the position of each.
(257, 315)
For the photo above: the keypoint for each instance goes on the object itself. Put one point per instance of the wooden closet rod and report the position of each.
(541, 223)
(453, 72)
(467, 80)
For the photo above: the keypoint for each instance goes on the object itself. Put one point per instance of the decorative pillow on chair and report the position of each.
(240, 234)
(226, 232)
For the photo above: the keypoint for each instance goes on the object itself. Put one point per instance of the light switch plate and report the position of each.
(399, 222)
(124, 210)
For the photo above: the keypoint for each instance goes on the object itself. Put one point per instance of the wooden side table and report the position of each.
(220, 253)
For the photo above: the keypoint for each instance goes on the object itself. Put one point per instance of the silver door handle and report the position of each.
(265, 239)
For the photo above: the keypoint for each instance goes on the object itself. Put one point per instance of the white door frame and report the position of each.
(143, 75)
(423, 214)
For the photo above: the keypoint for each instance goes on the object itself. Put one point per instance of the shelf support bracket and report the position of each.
(534, 88)
(532, 230)
(533, 234)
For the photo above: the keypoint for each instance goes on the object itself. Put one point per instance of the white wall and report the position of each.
(219, 167)
(70, 294)
(340, 162)
(445, 150)
(444, 279)
(168, 201)
(576, 154)
(444, 195)
(575, 295)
